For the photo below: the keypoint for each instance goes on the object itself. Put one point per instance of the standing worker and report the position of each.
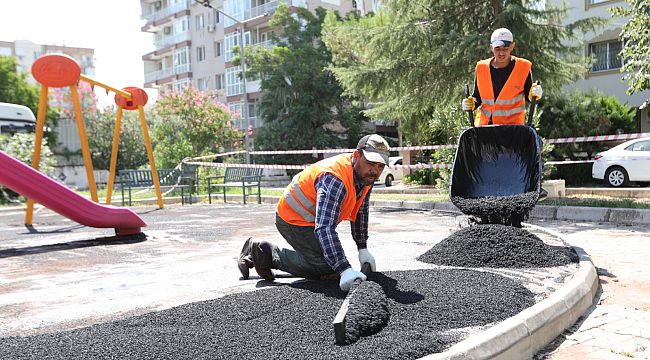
(501, 84)
(318, 198)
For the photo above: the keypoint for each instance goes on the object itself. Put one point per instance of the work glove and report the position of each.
(348, 276)
(366, 257)
(535, 92)
(468, 104)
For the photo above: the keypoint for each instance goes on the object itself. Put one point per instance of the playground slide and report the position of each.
(33, 184)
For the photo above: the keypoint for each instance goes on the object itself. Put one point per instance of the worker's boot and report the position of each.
(245, 260)
(262, 259)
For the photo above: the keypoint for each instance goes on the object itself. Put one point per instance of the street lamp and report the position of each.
(207, 4)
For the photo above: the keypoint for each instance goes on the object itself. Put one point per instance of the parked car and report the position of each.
(624, 163)
(391, 174)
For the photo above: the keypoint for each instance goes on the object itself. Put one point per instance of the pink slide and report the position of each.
(33, 184)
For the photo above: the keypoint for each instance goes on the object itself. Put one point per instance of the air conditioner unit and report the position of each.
(167, 30)
(157, 5)
(212, 28)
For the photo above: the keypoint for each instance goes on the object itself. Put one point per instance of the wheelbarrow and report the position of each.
(497, 171)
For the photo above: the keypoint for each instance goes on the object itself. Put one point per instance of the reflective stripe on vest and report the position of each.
(307, 210)
(510, 106)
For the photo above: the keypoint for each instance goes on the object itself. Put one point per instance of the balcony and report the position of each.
(260, 10)
(153, 76)
(169, 40)
(163, 13)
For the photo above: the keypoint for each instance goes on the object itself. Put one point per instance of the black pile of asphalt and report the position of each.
(294, 321)
(506, 210)
(498, 246)
(368, 312)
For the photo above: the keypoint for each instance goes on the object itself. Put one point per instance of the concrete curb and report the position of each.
(523, 335)
(570, 213)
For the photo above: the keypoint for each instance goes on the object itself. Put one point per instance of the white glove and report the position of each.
(366, 257)
(536, 92)
(468, 104)
(348, 276)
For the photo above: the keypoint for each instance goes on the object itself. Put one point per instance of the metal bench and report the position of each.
(167, 178)
(245, 178)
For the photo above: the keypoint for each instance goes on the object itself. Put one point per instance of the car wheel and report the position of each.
(389, 180)
(616, 176)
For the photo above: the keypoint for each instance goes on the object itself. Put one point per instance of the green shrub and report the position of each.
(21, 146)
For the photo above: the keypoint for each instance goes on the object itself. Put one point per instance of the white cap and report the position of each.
(501, 37)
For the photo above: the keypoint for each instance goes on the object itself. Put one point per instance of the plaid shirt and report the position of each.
(330, 193)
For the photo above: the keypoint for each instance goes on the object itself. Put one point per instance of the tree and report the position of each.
(15, 89)
(132, 152)
(190, 123)
(413, 56)
(302, 106)
(585, 114)
(636, 45)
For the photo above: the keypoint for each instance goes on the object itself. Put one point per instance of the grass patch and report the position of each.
(597, 201)
(572, 200)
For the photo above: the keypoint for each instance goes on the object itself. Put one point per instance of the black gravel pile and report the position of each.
(367, 313)
(494, 245)
(507, 210)
(293, 322)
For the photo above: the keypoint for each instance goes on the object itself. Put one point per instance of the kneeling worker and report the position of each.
(317, 200)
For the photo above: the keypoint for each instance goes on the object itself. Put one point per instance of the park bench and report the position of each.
(167, 178)
(245, 178)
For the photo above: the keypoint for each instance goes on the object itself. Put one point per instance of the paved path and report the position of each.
(50, 280)
(618, 326)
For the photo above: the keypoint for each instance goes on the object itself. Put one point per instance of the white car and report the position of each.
(391, 174)
(624, 163)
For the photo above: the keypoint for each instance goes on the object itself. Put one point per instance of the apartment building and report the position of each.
(194, 43)
(604, 46)
(26, 52)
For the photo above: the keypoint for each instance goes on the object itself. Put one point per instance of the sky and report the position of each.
(111, 28)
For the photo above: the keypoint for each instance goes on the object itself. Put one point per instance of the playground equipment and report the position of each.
(64, 201)
(59, 70)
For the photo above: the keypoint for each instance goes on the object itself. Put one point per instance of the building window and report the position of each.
(200, 53)
(593, 2)
(179, 85)
(605, 55)
(233, 81)
(5, 51)
(219, 81)
(232, 40)
(181, 60)
(203, 83)
(236, 111)
(217, 48)
(217, 17)
(199, 20)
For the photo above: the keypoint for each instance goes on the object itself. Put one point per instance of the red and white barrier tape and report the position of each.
(596, 138)
(338, 151)
(300, 167)
(429, 147)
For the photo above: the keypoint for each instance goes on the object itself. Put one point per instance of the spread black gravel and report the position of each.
(507, 210)
(294, 321)
(367, 313)
(494, 245)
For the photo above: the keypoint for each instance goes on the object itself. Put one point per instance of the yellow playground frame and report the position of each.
(59, 70)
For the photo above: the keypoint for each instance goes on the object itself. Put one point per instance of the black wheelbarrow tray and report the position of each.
(497, 173)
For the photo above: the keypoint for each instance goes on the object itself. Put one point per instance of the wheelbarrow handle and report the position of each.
(470, 113)
(531, 111)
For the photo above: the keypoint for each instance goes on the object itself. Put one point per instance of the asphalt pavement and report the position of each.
(60, 275)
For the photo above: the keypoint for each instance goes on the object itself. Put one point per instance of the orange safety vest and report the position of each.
(510, 106)
(297, 206)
